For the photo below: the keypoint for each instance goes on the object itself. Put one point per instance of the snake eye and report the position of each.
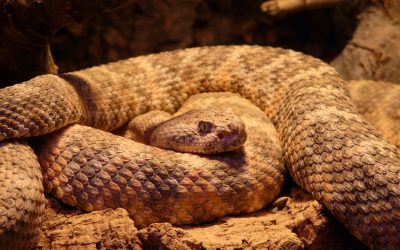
(205, 127)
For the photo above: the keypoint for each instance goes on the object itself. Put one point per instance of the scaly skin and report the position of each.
(21, 195)
(138, 129)
(329, 149)
(95, 170)
(201, 131)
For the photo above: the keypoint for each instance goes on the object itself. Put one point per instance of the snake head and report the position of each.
(202, 131)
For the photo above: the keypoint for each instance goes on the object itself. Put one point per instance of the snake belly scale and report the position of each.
(328, 148)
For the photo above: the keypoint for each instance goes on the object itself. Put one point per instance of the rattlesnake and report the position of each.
(94, 170)
(329, 149)
(199, 131)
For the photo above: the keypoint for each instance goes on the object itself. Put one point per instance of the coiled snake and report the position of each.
(328, 148)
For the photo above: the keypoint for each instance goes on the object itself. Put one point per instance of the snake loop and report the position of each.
(328, 147)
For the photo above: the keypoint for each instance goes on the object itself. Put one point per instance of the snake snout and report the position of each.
(233, 137)
(227, 134)
(221, 135)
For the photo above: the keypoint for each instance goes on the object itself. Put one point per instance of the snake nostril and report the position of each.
(226, 134)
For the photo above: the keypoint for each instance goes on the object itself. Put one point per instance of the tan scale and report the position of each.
(328, 147)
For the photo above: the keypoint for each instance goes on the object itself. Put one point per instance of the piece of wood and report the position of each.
(296, 221)
(106, 229)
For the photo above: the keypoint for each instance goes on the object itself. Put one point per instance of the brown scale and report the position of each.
(156, 185)
(306, 100)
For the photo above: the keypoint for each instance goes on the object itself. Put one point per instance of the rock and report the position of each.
(374, 51)
(302, 223)
(106, 229)
(281, 202)
(293, 221)
(164, 236)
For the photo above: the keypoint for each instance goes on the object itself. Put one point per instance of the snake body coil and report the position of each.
(94, 170)
(328, 147)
